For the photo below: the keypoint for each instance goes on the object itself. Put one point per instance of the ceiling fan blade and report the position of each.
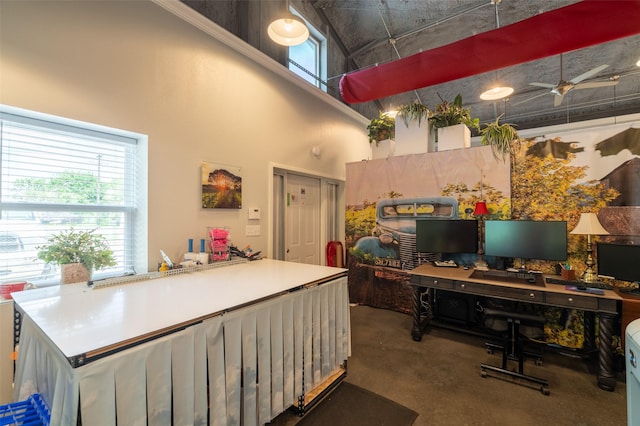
(588, 74)
(530, 99)
(546, 85)
(557, 100)
(592, 84)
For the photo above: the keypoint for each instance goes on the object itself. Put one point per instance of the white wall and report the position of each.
(133, 65)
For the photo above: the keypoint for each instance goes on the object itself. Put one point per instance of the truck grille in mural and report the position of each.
(393, 240)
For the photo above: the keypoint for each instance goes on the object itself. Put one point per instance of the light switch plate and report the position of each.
(252, 230)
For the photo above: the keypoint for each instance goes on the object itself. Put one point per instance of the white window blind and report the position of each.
(56, 177)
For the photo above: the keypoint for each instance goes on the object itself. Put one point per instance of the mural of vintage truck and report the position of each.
(393, 240)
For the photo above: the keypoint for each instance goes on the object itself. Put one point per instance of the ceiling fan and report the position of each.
(563, 87)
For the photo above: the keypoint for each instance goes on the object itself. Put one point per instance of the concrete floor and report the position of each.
(439, 377)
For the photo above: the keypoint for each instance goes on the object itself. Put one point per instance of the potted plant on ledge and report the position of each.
(412, 138)
(415, 111)
(78, 253)
(381, 128)
(446, 115)
(382, 133)
(503, 138)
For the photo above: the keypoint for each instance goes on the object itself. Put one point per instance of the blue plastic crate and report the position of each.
(31, 412)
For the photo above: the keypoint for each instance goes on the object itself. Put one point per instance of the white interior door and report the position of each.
(302, 220)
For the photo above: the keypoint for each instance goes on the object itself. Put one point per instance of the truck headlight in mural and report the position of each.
(393, 240)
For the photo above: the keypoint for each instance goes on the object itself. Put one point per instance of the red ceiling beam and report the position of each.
(576, 26)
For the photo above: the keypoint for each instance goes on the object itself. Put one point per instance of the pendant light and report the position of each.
(499, 91)
(496, 93)
(288, 30)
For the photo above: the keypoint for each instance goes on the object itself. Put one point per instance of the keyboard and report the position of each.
(522, 275)
(449, 263)
(579, 284)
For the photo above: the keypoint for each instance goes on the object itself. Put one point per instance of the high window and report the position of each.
(56, 175)
(309, 59)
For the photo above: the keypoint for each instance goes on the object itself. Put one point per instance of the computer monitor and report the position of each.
(619, 261)
(526, 239)
(446, 236)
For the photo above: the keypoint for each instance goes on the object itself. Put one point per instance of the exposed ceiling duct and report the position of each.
(579, 25)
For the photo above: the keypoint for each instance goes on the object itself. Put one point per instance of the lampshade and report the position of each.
(481, 209)
(289, 30)
(589, 225)
(496, 93)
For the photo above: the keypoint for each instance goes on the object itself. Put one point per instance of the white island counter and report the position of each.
(175, 350)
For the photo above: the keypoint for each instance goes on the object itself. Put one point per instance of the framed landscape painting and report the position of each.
(221, 186)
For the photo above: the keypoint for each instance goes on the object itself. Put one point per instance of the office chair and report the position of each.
(512, 346)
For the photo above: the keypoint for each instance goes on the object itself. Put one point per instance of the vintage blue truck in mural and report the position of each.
(393, 240)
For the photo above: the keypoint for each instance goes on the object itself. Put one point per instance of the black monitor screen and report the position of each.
(526, 239)
(619, 261)
(446, 236)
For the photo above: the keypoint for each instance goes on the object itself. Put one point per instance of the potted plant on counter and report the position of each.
(78, 252)
(503, 138)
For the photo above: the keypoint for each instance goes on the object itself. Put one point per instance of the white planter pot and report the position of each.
(413, 139)
(383, 149)
(454, 137)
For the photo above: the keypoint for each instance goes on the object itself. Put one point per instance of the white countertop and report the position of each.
(79, 319)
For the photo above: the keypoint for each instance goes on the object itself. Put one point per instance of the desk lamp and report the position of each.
(480, 211)
(589, 225)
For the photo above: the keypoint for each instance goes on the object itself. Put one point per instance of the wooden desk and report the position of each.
(237, 342)
(459, 280)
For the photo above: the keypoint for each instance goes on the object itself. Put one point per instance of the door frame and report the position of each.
(325, 182)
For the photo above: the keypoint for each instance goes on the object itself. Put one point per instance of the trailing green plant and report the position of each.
(381, 128)
(73, 246)
(448, 114)
(415, 111)
(503, 138)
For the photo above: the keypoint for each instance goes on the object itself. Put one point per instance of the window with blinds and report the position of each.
(56, 176)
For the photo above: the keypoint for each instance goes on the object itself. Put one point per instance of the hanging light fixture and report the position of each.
(288, 30)
(498, 91)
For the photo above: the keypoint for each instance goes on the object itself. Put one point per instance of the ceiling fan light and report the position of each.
(496, 93)
(288, 30)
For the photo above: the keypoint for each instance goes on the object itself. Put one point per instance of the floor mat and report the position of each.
(351, 405)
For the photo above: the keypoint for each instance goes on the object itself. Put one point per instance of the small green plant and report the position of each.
(73, 246)
(449, 114)
(415, 111)
(503, 138)
(381, 128)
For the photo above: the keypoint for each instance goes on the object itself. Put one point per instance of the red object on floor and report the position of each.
(335, 254)
(572, 27)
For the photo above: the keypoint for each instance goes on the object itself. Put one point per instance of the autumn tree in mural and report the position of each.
(549, 188)
(497, 204)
